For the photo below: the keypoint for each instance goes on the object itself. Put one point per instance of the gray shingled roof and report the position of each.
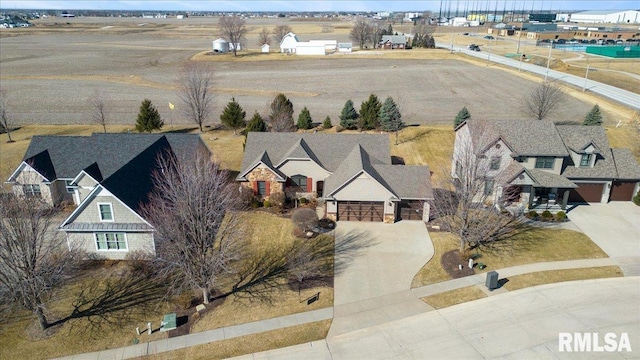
(395, 39)
(626, 164)
(577, 137)
(531, 137)
(549, 180)
(82, 227)
(357, 161)
(408, 181)
(510, 172)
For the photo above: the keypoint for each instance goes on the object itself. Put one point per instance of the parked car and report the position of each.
(465, 34)
(473, 47)
(489, 37)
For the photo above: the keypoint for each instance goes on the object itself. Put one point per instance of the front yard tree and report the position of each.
(196, 91)
(349, 116)
(390, 117)
(233, 29)
(305, 121)
(34, 260)
(148, 117)
(99, 114)
(5, 120)
(233, 116)
(369, 111)
(544, 99)
(463, 115)
(361, 32)
(594, 117)
(281, 116)
(279, 31)
(194, 210)
(256, 124)
(305, 219)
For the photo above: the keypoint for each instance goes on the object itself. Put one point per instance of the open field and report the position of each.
(52, 70)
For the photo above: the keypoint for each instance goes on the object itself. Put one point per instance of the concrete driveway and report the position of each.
(374, 287)
(615, 228)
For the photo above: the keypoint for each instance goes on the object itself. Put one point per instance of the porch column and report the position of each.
(565, 200)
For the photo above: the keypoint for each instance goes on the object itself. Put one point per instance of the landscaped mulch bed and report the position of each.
(450, 263)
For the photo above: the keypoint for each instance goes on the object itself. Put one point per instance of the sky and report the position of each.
(317, 5)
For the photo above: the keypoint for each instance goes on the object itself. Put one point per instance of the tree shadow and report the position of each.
(416, 136)
(181, 131)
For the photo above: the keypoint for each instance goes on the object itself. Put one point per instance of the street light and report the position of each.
(548, 61)
(586, 76)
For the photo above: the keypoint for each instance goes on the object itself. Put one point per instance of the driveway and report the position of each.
(615, 228)
(374, 287)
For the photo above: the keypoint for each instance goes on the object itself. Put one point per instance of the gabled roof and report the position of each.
(626, 164)
(354, 164)
(395, 39)
(539, 177)
(576, 137)
(530, 137)
(299, 150)
(263, 159)
(407, 181)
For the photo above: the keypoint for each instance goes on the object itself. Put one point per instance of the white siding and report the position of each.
(307, 48)
(135, 242)
(307, 168)
(121, 213)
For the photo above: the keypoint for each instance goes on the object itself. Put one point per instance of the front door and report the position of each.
(319, 188)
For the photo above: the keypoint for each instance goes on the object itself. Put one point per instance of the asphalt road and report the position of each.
(622, 96)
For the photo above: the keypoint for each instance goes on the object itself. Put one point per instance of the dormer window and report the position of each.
(585, 160)
(545, 162)
(105, 212)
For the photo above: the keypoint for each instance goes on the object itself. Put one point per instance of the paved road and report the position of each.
(622, 96)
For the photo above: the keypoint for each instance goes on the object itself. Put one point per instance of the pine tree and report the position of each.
(281, 116)
(256, 124)
(305, 121)
(327, 123)
(233, 116)
(594, 117)
(390, 117)
(148, 118)
(462, 116)
(369, 111)
(349, 116)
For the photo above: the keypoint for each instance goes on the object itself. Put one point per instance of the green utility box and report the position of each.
(169, 322)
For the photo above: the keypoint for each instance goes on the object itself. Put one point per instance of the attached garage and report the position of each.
(622, 190)
(586, 192)
(411, 210)
(361, 211)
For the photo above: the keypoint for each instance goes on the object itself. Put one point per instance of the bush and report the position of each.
(255, 203)
(532, 214)
(546, 215)
(277, 199)
(305, 219)
(327, 123)
(636, 199)
(303, 200)
(339, 128)
(266, 203)
(561, 216)
(185, 300)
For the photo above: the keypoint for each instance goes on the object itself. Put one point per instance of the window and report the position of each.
(262, 188)
(31, 190)
(70, 188)
(488, 187)
(458, 168)
(300, 181)
(111, 241)
(585, 160)
(545, 162)
(495, 163)
(106, 212)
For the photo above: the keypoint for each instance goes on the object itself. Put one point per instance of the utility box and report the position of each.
(169, 322)
(492, 280)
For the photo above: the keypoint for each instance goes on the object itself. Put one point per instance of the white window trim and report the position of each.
(68, 187)
(582, 157)
(100, 212)
(95, 241)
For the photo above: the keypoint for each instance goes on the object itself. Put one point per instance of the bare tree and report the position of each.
(281, 115)
(423, 34)
(464, 204)
(233, 28)
(305, 218)
(544, 99)
(5, 119)
(264, 37)
(193, 209)
(311, 258)
(99, 114)
(280, 31)
(34, 261)
(196, 91)
(361, 32)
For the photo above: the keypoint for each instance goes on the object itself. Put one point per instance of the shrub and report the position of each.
(303, 200)
(339, 128)
(185, 300)
(255, 203)
(305, 218)
(532, 214)
(327, 123)
(561, 216)
(546, 215)
(266, 203)
(277, 199)
(636, 199)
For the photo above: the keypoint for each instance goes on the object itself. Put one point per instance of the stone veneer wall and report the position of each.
(264, 174)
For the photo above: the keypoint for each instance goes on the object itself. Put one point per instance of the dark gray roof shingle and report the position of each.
(626, 164)
(576, 137)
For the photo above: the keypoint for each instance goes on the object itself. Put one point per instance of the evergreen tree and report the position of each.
(305, 121)
(281, 117)
(349, 116)
(148, 118)
(256, 124)
(594, 117)
(369, 111)
(390, 117)
(233, 116)
(461, 117)
(327, 123)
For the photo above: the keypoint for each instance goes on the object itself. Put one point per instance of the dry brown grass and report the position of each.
(251, 343)
(454, 297)
(533, 246)
(426, 145)
(554, 276)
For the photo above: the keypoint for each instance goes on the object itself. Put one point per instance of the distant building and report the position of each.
(265, 48)
(288, 43)
(597, 16)
(346, 47)
(220, 45)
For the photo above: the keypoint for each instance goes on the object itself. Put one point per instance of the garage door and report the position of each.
(586, 193)
(411, 210)
(622, 191)
(360, 211)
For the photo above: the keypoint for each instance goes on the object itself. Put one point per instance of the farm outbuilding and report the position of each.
(310, 48)
(329, 45)
(345, 47)
(220, 45)
(288, 43)
(265, 48)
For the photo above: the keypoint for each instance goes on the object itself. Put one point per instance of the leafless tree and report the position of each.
(463, 204)
(280, 31)
(233, 28)
(194, 210)
(544, 99)
(281, 115)
(377, 30)
(99, 114)
(196, 91)
(361, 32)
(311, 258)
(5, 118)
(264, 37)
(34, 261)
(305, 218)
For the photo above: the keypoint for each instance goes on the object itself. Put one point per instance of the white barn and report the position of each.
(288, 43)
(310, 48)
(615, 17)
(329, 45)
(220, 45)
(265, 48)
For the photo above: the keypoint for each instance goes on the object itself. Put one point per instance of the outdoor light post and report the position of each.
(548, 62)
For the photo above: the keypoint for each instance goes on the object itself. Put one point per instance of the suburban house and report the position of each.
(351, 174)
(107, 177)
(536, 164)
(393, 42)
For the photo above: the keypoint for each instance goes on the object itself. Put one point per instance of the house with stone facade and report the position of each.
(538, 164)
(105, 178)
(350, 174)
